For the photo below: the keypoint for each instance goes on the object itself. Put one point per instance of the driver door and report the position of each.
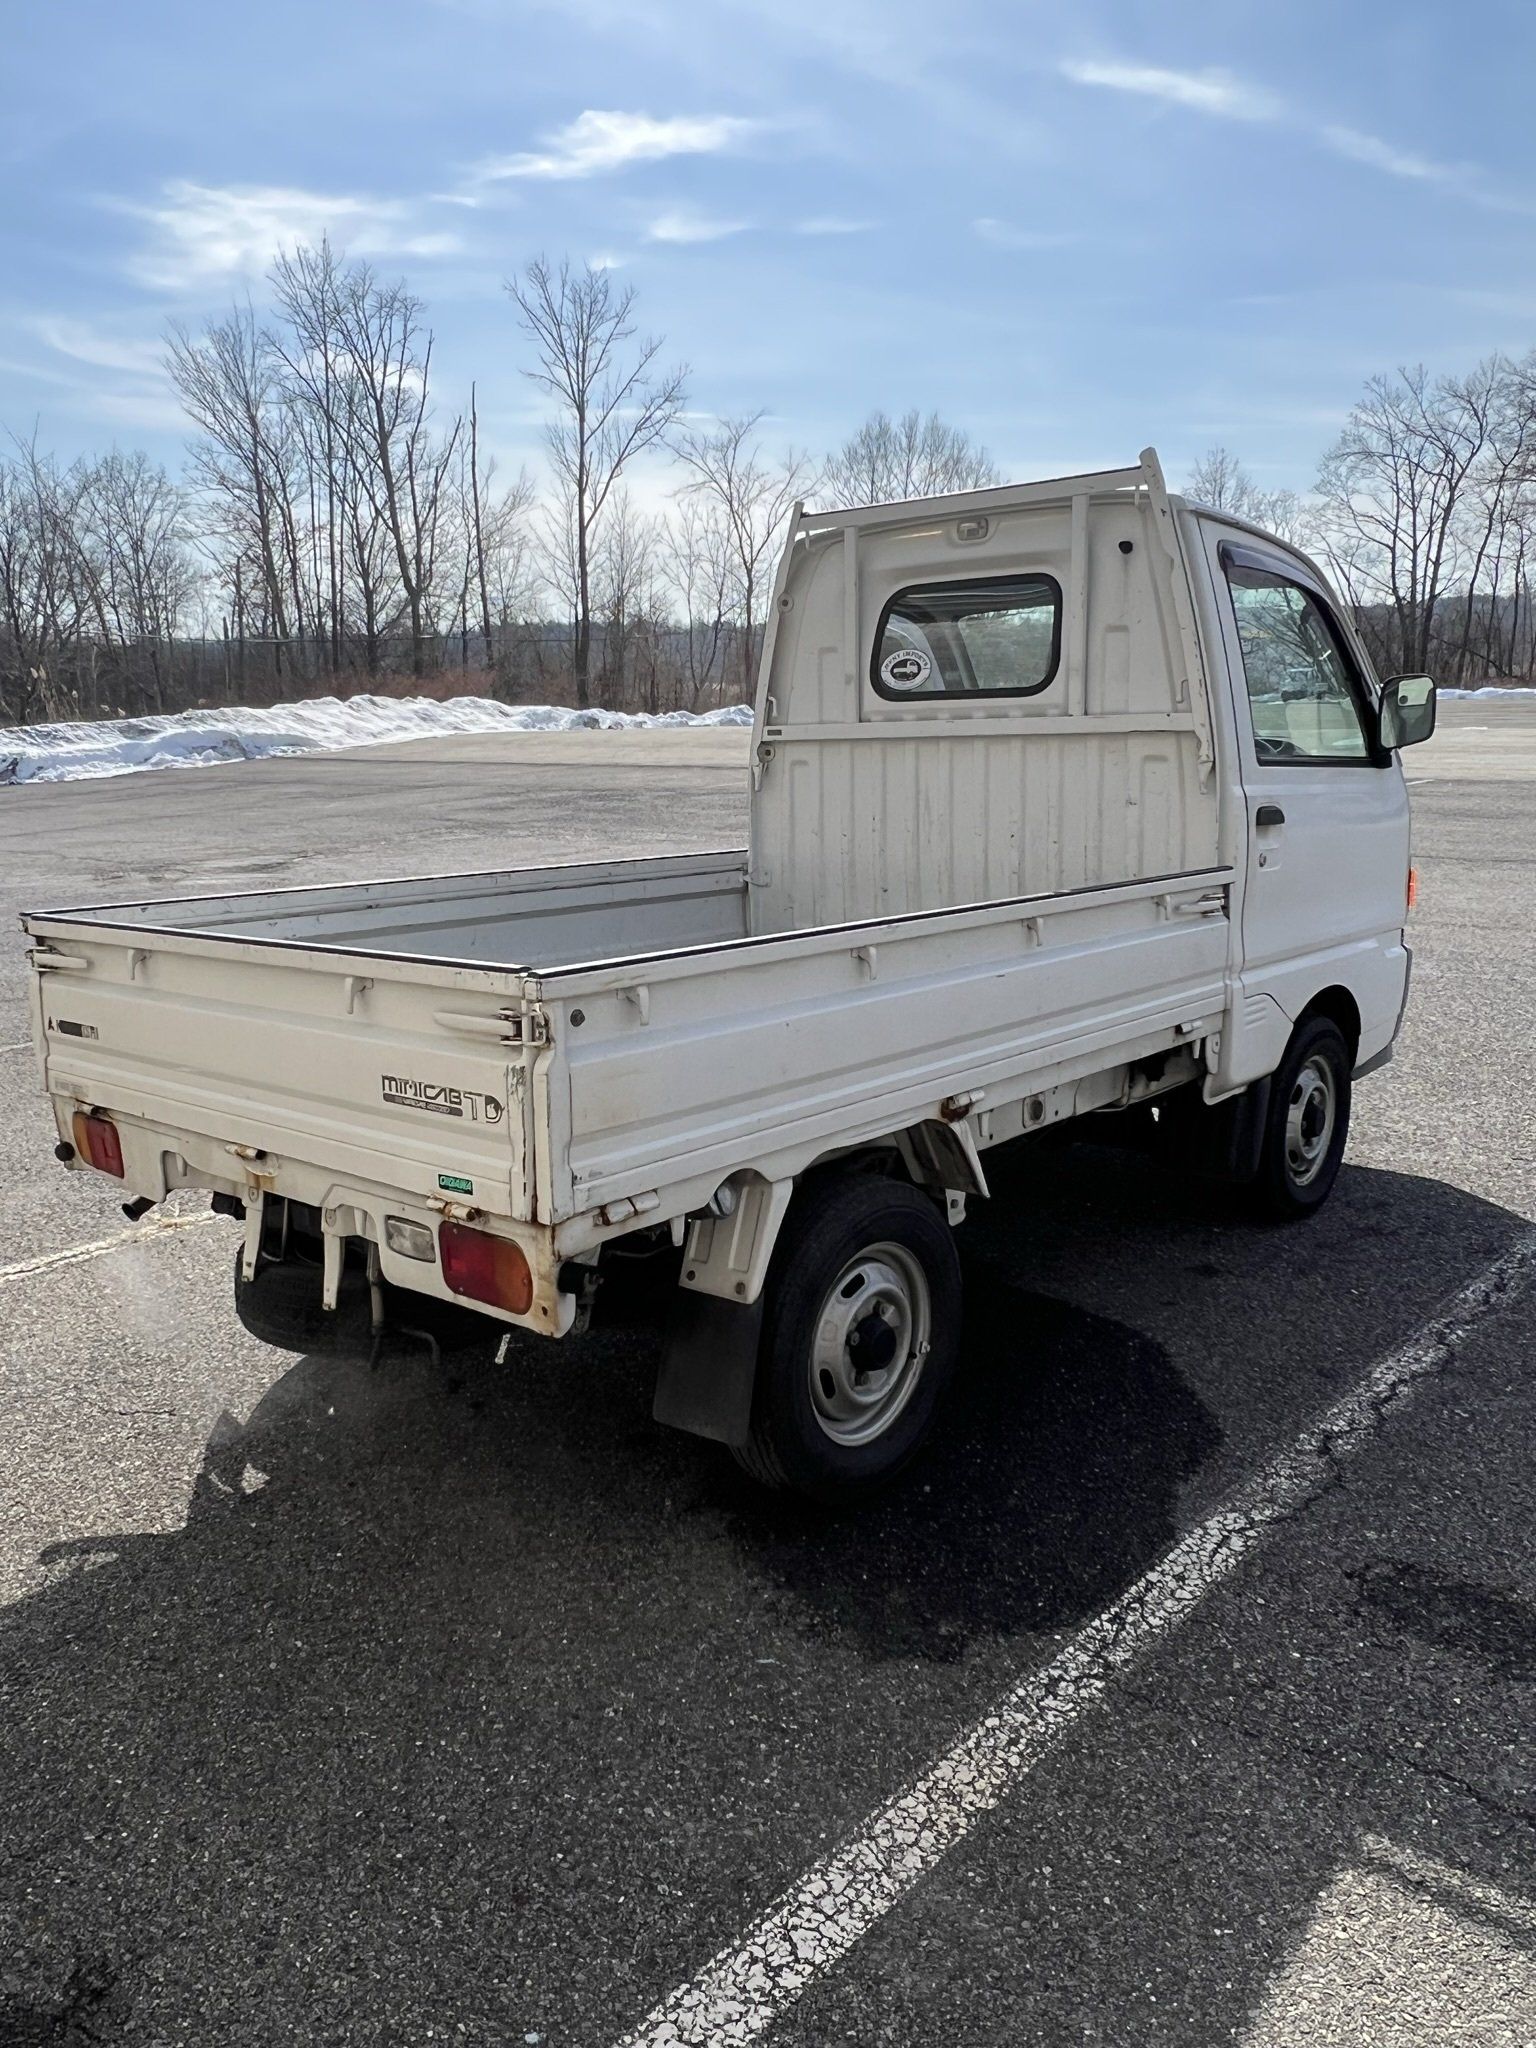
(1327, 812)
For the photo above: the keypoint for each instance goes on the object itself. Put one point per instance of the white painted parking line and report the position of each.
(74, 1254)
(746, 1987)
(21, 1045)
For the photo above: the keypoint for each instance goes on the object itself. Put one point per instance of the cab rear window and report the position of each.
(997, 636)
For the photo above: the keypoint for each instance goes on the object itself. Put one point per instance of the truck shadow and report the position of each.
(1052, 1482)
(492, 1703)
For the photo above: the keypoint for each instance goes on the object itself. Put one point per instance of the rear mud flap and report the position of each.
(707, 1370)
(1223, 1139)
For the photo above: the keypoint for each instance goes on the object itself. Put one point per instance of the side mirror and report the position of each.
(1407, 713)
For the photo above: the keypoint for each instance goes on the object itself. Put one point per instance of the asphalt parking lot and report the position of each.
(472, 1707)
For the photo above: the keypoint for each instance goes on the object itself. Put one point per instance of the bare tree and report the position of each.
(475, 552)
(136, 569)
(888, 460)
(626, 604)
(754, 495)
(231, 382)
(1393, 494)
(1219, 480)
(1495, 518)
(613, 400)
(699, 550)
(375, 336)
(496, 535)
(41, 583)
(95, 583)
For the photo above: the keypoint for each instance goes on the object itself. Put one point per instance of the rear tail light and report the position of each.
(485, 1268)
(1413, 887)
(97, 1142)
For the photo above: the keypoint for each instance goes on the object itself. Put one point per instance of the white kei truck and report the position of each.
(1066, 797)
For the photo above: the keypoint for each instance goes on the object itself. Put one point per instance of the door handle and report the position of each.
(1269, 814)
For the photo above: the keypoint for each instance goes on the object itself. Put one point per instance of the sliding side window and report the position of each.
(993, 635)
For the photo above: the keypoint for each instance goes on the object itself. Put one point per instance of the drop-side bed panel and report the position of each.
(761, 1054)
(544, 1097)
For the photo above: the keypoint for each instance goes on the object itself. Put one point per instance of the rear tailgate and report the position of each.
(391, 1072)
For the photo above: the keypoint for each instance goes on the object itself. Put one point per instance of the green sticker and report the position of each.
(455, 1184)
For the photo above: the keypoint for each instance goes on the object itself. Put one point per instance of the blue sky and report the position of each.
(1071, 229)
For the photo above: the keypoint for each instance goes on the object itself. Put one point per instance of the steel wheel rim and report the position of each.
(871, 1342)
(1310, 1116)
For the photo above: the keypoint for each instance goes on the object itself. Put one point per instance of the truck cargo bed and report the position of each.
(567, 1038)
(519, 918)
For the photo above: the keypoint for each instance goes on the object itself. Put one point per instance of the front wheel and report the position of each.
(1306, 1124)
(859, 1341)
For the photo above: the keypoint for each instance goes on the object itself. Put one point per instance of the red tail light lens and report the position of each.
(97, 1142)
(485, 1268)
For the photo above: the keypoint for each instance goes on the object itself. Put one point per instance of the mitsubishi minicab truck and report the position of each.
(1066, 798)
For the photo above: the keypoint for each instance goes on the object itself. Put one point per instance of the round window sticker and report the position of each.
(907, 669)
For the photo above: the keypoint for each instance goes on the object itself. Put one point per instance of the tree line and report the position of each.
(1424, 514)
(334, 529)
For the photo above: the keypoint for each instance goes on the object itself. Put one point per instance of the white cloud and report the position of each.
(14, 367)
(683, 224)
(1232, 99)
(207, 232)
(1206, 92)
(1382, 156)
(99, 373)
(142, 404)
(597, 141)
(86, 344)
(1464, 181)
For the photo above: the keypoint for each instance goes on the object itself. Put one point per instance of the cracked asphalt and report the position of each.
(471, 1707)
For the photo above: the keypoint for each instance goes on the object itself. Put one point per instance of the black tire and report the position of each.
(828, 1226)
(1286, 1186)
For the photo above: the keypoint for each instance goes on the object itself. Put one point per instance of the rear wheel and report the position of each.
(1306, 1125)
(859, 1340)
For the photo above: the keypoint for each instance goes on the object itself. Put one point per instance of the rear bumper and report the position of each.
(158, 1160)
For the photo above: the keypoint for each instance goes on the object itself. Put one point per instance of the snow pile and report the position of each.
(199, 739)
(1492, 690)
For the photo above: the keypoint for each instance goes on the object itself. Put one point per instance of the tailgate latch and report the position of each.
(511, 1027)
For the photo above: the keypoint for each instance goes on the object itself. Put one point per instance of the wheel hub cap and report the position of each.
(1309, 1120)
(871, 1339)
(871, 1345)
